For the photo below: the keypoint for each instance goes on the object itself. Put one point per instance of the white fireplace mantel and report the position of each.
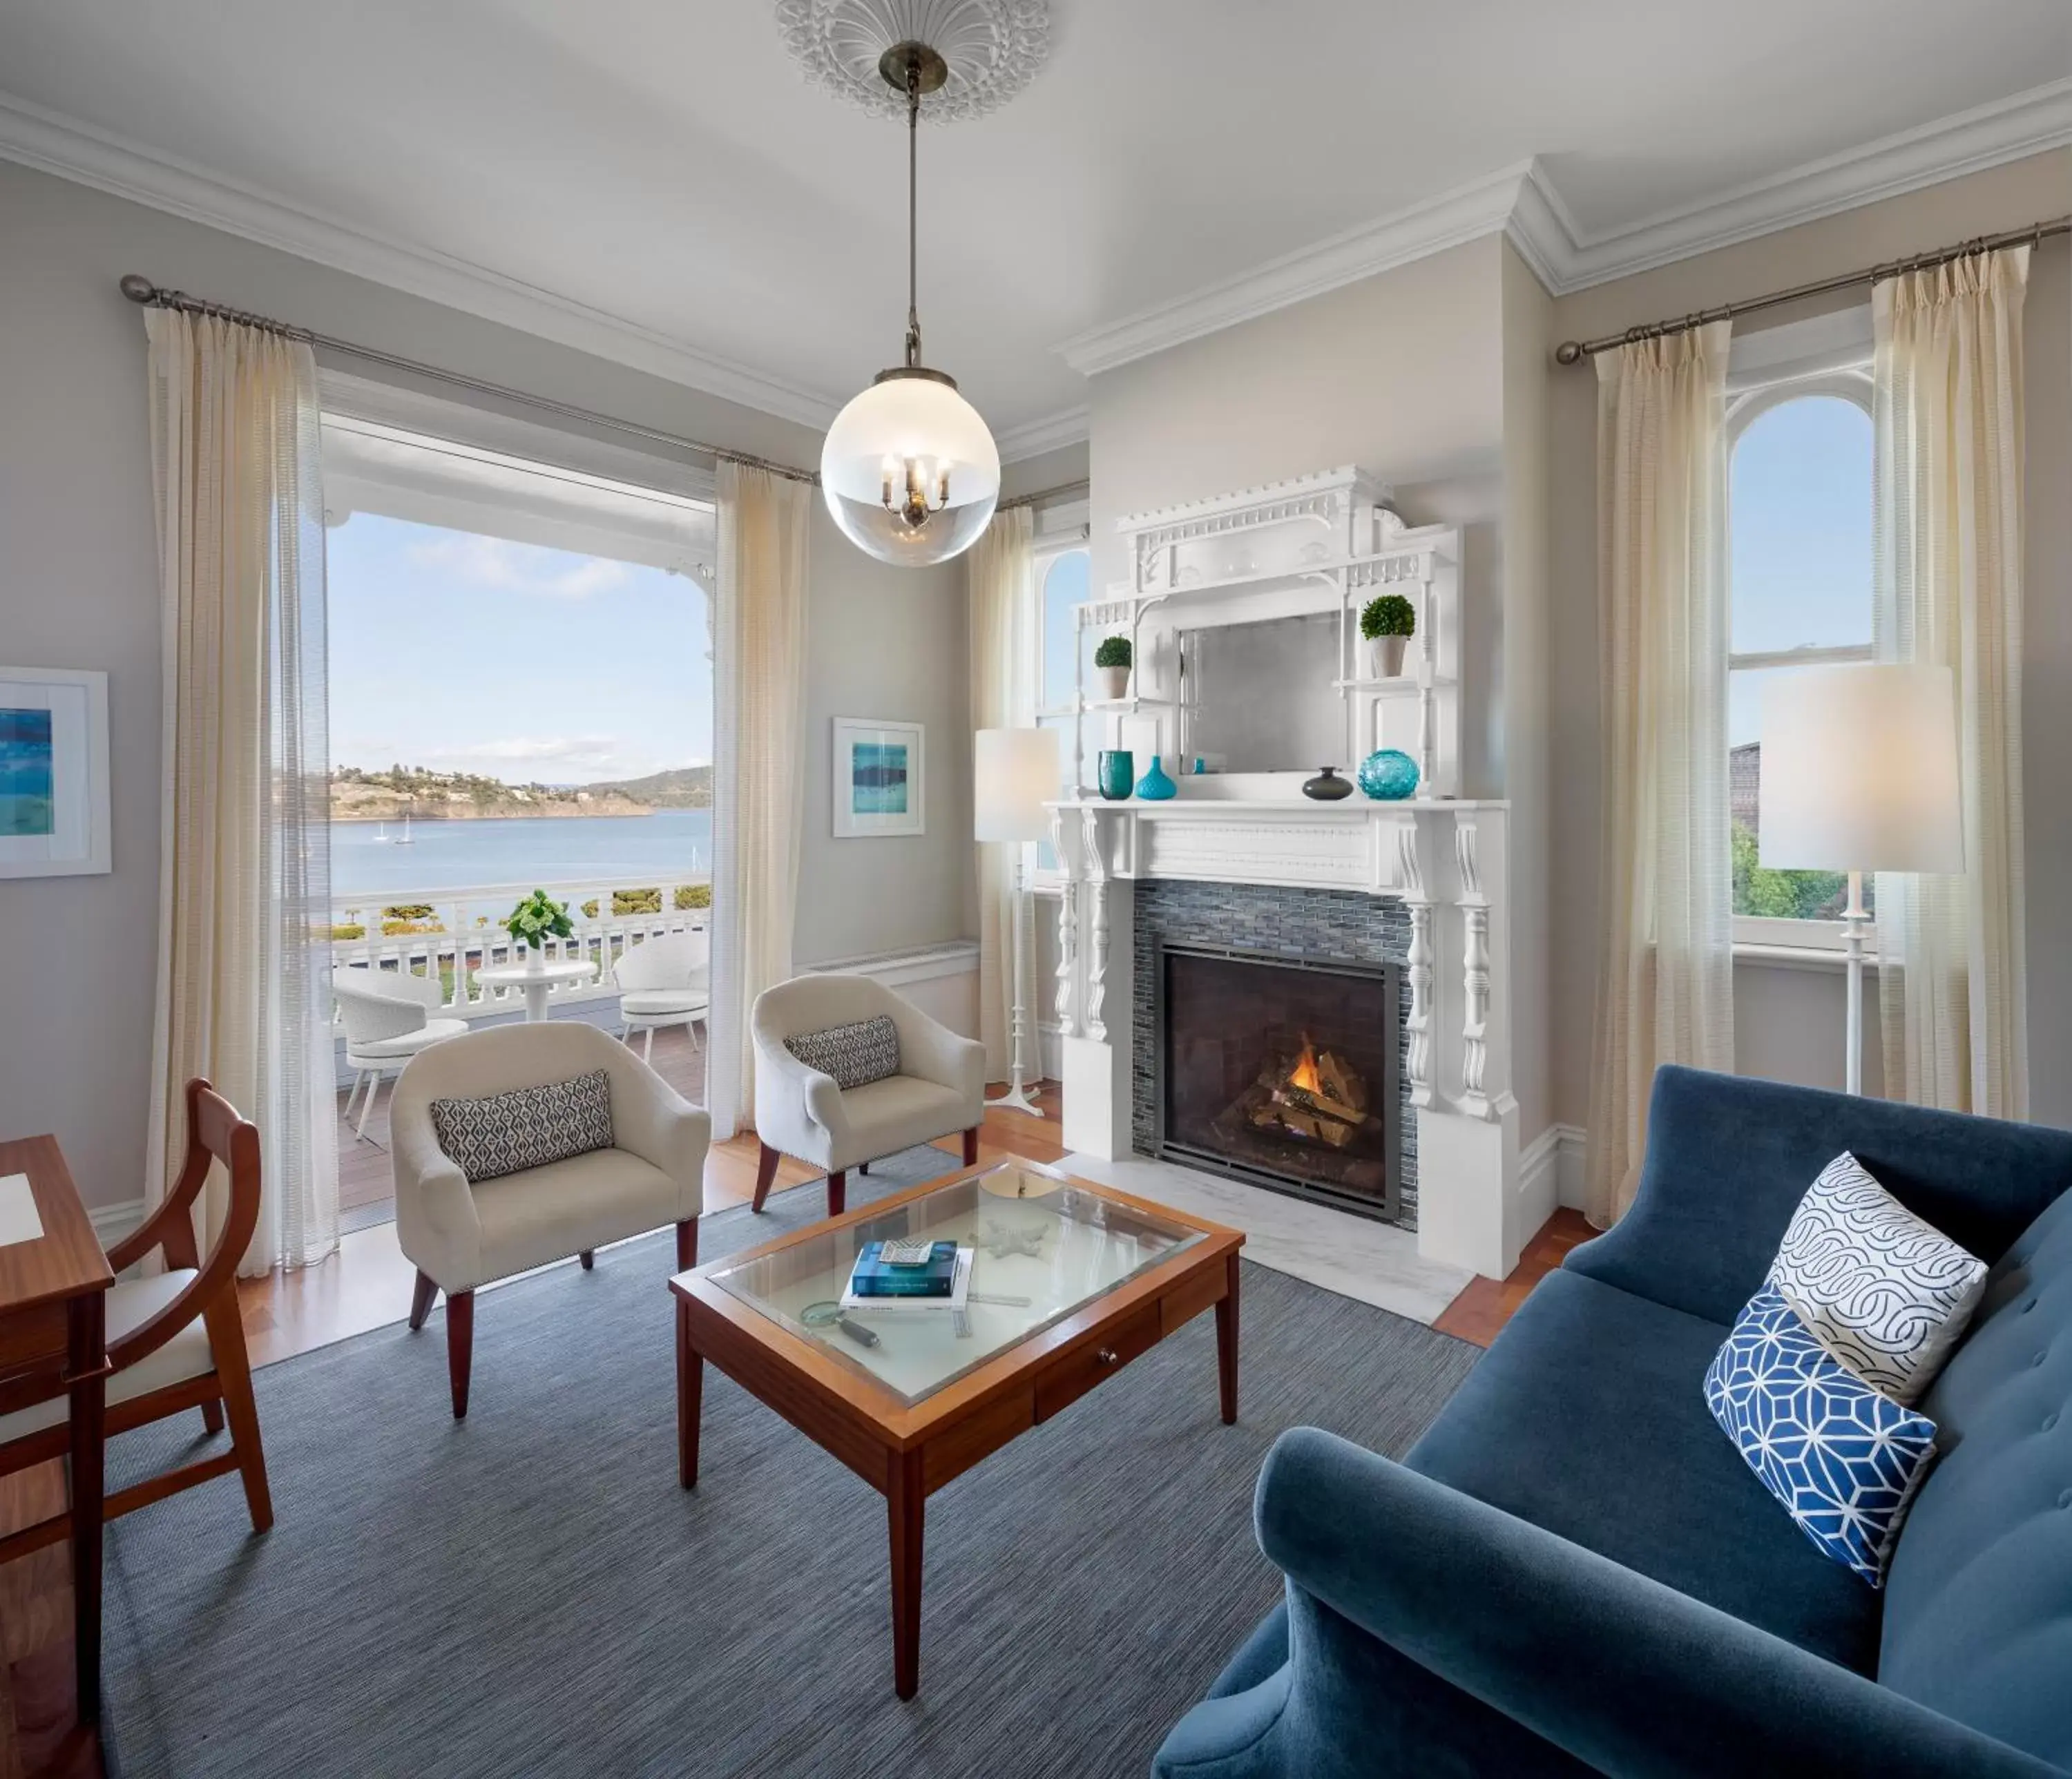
(1445, 860)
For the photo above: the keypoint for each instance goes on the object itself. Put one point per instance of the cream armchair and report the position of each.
(940, 1088)
(459, 1236)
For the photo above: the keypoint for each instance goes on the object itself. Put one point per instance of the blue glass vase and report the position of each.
(1118, 767)
(1155, 787)
(1388, 774)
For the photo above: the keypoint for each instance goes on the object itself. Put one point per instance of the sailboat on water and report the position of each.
(404, 838)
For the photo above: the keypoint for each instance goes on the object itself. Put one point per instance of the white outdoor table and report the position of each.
(535, 980)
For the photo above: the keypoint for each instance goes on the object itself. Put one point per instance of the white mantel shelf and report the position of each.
(1443, 858)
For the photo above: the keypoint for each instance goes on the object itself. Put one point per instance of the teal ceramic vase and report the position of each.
(1116, 767)
(1388, 774)
(1155, 787)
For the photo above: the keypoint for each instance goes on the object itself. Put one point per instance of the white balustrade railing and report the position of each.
(463, 935)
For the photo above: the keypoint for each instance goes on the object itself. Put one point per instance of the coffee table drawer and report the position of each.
(1059, 1385)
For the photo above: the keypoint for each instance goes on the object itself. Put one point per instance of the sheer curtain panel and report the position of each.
(1003, 695)
(1665, 936)
(244, 867)
(759, 687)
(1946, 548)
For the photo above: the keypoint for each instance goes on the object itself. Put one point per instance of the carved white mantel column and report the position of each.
(1095, 858)
(1067, 1000)
(1417, 899)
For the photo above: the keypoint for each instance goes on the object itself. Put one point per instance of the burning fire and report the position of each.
(1304, 1075)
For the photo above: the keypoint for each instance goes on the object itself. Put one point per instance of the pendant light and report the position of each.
(909, 470)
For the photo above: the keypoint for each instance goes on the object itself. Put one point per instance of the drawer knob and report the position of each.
(1107, 1356)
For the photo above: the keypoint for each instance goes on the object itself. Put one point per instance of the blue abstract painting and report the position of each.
(877, 778)
(27, 804)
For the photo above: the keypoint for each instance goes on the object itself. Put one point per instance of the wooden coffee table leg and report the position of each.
(902, 1510)
(1227, 1345)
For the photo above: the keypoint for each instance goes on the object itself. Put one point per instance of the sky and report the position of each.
(470, 654)
(1801, 523)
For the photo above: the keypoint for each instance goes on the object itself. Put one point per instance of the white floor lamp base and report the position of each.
(1016, 1099)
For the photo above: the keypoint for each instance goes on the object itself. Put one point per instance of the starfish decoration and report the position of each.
(1001, 1239)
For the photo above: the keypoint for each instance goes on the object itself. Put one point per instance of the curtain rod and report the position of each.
(140, 290)
(1042, 495)
(1574, 352)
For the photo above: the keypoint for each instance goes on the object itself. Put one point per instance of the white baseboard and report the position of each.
(1568, 1165)
(1537, 1192)
(1550, 1175)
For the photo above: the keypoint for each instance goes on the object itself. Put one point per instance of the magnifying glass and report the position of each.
(827, 1313)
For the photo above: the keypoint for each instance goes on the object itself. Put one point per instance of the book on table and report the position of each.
(940, 1282)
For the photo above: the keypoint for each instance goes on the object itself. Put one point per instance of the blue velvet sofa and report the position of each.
(1574, 1572)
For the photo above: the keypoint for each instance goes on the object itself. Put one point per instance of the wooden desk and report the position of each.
(53, 1341)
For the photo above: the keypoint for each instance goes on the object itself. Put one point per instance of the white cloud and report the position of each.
(505, 567)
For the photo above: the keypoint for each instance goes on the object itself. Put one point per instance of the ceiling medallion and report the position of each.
(990, 49)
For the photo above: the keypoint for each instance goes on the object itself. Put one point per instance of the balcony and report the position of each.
(460, 936)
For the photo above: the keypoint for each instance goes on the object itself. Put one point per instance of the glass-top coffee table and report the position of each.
(1070, 1282)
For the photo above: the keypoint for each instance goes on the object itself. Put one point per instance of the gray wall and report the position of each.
(1409, 375)
(1789, 1022)
(77, 955)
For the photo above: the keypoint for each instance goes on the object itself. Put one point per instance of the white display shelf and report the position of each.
(1402, 685)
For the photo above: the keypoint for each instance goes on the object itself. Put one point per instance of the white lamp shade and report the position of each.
(1859, 771)
(910, 420)
(1015, 773)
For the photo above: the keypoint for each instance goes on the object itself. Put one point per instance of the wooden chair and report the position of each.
(160, 1361)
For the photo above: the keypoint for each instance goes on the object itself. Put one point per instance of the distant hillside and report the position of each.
(361, 794)
(681, 788)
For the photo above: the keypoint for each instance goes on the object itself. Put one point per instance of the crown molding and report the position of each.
(1464, 214)
(53, 143)
(1969, 141)
(1046, 433)
(1522, 203)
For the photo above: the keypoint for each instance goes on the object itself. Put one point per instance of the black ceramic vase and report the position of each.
(1327, 787)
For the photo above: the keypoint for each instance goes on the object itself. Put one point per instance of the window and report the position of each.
(1064, 574)
(1799, 565)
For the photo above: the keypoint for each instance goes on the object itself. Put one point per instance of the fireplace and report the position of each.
(1280, 1070)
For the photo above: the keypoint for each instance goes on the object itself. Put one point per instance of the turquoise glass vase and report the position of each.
(1155, 787)
(1117, 766)
(1388, 774)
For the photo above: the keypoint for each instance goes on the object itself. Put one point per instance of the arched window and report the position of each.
(1799, 561)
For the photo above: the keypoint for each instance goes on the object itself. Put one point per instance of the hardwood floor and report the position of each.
(368, 1283)
(1484, 1305)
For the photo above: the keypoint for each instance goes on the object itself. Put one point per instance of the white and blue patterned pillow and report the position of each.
(1844, 1459)
(1885, 1293)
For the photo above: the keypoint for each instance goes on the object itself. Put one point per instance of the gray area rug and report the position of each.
(530, 1593)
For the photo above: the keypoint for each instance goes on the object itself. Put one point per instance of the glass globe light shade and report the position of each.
(909, 471)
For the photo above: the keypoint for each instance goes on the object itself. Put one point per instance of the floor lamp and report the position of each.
(1015, 773)
(1859, 772)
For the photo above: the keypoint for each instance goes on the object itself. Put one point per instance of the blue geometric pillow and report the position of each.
(1842, 1459)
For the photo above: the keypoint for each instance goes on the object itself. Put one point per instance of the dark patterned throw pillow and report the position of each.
(527, 1128)
(855, 1055)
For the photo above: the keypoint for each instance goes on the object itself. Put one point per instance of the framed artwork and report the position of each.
(53, 772)
(879, 783)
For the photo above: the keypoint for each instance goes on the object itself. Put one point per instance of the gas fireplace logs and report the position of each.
(1314, 1097)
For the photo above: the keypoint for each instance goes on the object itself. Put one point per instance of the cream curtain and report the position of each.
(1947, 406)
(760, 684)
(1001, 577)
(244, 880)
(1665, 932)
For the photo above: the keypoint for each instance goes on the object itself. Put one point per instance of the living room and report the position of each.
(1375, 742)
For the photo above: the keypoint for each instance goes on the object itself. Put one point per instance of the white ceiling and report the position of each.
(658, 176)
